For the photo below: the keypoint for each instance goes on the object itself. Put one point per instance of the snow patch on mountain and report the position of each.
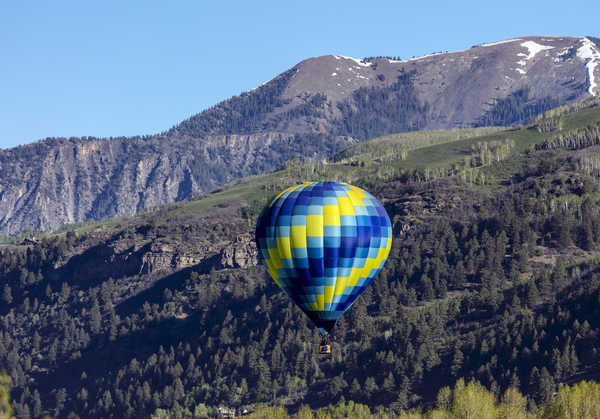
(533, 48)
(590, 54)
(506, 41)
(356, 60)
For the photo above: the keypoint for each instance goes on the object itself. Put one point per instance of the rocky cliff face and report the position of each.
(111, 259)
(55, 182)
(241, 253)
(147, 253)
(313, 110)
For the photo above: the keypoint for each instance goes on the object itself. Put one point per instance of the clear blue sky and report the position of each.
(109, 68)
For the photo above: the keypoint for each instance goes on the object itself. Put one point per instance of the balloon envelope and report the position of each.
(323, 243)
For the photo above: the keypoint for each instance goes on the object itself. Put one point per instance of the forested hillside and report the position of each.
(493, 276)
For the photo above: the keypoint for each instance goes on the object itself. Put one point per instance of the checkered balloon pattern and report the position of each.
(323, 243)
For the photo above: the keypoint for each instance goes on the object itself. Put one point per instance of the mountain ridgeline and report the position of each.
(314, 110)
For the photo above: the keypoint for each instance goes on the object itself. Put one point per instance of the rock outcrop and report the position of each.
(241, 253)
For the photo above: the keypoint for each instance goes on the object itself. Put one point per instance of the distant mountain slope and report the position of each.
(315, 109)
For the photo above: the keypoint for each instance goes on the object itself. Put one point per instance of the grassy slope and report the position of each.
(443, 155)
(411, 141)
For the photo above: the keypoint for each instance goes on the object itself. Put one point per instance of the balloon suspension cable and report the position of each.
(325, 346)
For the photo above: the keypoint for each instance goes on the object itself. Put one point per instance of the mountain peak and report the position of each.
(339, 75)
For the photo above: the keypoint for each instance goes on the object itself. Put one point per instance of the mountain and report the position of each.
(313, 110)
(493, 276)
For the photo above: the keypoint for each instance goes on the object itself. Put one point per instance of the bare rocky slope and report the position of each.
(315, 109)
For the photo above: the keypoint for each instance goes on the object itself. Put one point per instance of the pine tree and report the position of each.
(587, 240)
(546, 387)
(459, 277)
(95, 317)
(355, 389)
(532, 294)
(426, 288)
(65, 291)
(370, 386)
(404, 392)
(411, 299)
(534, 381)
(61, 397)
(337, 386)
(563, 227)
(7, 294)
(36, 341)
(107, 401)
(37, 403)
(53, 351)
(573, 360)
(559, 274)
(389, 383)
(457, 362)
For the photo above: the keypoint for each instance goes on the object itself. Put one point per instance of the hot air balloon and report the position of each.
(323, 243)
